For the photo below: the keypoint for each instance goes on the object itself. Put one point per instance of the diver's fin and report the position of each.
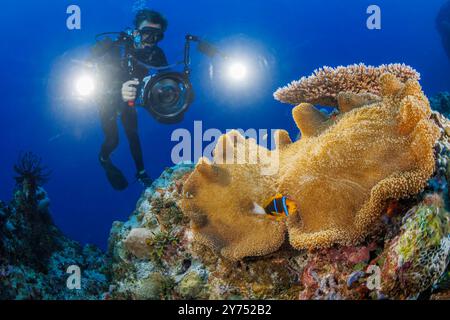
(114, 175)
(282, 138)
(309, 120)
(348, 101)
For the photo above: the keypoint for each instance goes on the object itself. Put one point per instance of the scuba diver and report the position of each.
(121, 79)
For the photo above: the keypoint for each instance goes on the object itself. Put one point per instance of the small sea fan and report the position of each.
(29, 169)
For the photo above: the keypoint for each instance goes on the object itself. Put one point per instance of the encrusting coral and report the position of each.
(340, 173)
(34, 254)
(419, 255)
(326, 83)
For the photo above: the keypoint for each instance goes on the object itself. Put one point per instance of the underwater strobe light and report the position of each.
(237, 71)
(166, 94)
(85, 85)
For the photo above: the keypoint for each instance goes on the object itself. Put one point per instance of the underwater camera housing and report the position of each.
(167, 94)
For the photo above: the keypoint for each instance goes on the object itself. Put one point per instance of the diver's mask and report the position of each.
(149, 36)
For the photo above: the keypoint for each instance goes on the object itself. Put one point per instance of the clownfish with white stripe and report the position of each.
(277, 207)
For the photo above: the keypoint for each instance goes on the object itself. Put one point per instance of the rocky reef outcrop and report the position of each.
(194, 235)
(34, 253)
(155, 256)
(370, 184)
(443, 26)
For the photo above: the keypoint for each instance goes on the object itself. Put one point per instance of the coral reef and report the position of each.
(149, 257)
(378, 171)
(338, 174)
(324, 85)
(178, 266)
(181, 267)
(354, 174)
(370, 185)
(34, 254)
(419, 255)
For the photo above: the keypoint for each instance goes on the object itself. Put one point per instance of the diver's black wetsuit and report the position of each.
(111, 103)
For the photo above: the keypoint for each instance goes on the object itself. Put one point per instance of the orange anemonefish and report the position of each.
(277, 207)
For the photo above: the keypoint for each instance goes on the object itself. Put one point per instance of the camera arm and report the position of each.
(203, 46)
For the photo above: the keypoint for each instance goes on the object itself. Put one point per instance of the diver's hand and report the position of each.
(129, 90)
